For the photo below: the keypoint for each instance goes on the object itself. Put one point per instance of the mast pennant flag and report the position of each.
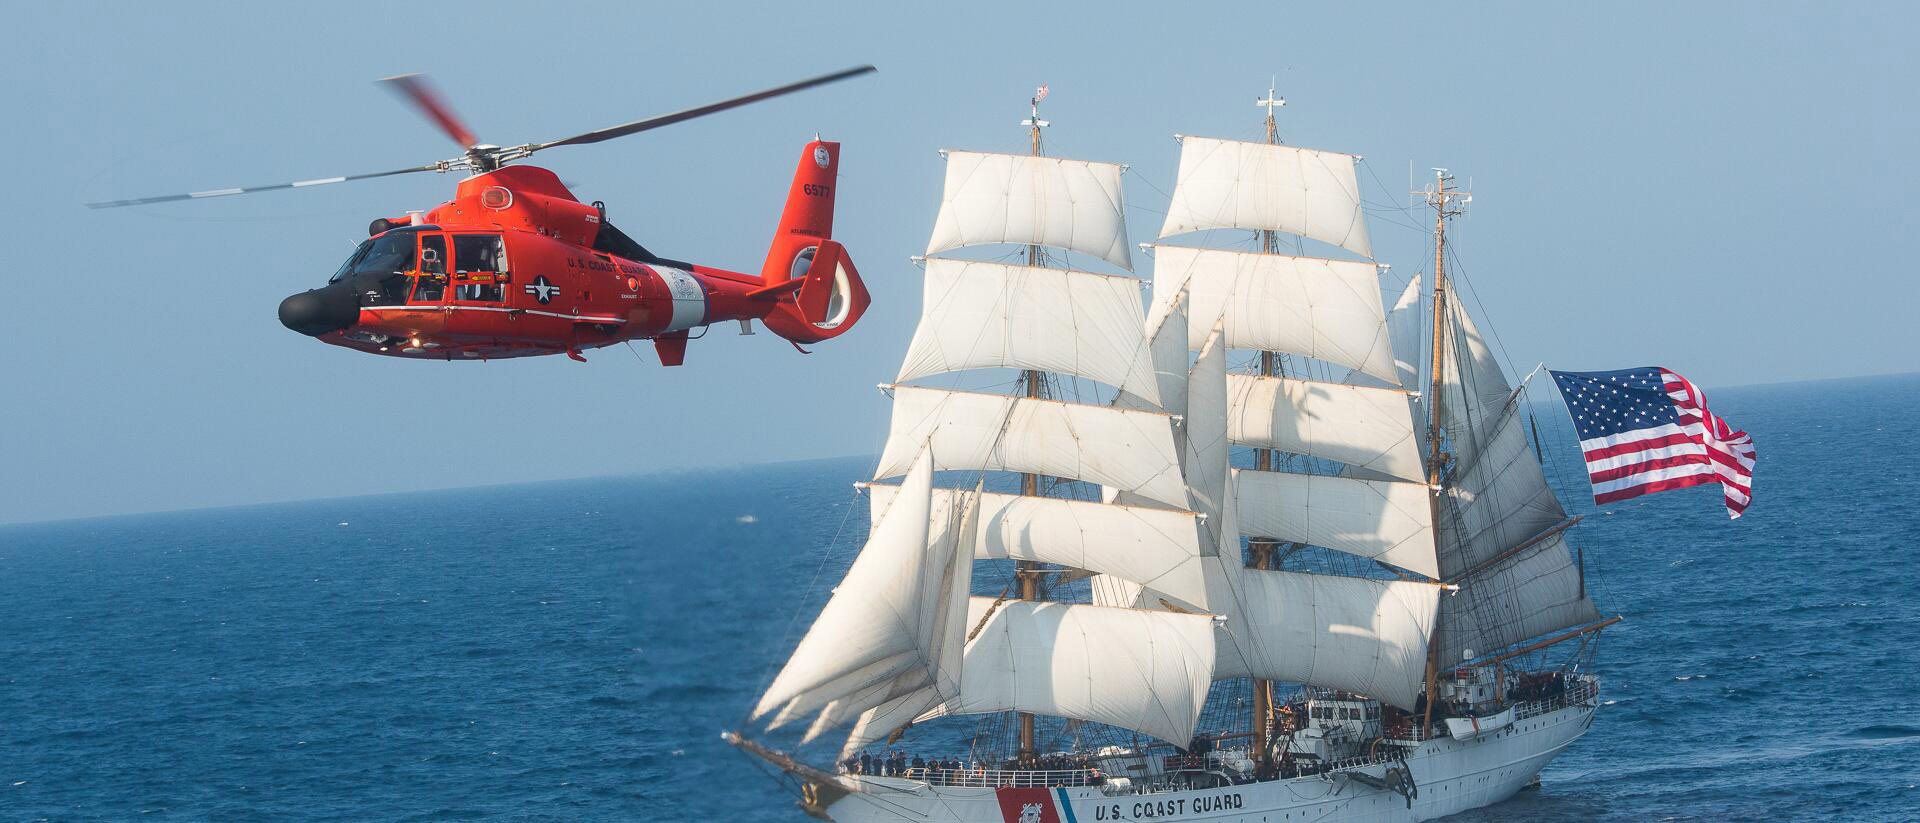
(1648, 430)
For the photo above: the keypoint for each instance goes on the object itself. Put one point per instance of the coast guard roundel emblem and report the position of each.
(820, 156)
(1027, 805)
(542, 289)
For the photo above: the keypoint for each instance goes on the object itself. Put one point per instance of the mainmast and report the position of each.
(1447, 202)
(1260, 550)
(1026, 571)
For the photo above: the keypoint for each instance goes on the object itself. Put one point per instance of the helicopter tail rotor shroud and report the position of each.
(830, 297)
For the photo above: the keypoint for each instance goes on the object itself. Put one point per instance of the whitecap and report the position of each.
(746, 519)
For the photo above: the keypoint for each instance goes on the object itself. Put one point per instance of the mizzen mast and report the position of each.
(1447, 202)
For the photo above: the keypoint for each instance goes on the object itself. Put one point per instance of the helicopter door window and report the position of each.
(432, 281)
(479, 262)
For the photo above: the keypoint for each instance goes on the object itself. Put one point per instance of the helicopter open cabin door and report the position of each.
(480, 269)
(432, 279)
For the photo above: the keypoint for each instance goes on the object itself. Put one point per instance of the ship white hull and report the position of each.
(1451, 776)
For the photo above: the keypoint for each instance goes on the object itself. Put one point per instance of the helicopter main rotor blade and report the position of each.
(297, 184)
(699, 111)
(414, 88)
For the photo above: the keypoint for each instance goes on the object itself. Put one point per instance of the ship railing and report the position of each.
(1007, 778)
(1581, 690)
(1407, 733)
(1364, 760)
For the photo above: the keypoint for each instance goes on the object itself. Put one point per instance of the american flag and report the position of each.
(1648, 430)
(1039, 94)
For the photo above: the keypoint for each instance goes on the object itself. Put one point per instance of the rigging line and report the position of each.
(1406, 209)
(1382, 218)
(781, 779)
(1460, 272)
(1149, 182)
(767, 671)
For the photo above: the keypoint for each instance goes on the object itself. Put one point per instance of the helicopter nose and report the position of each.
(318, 311)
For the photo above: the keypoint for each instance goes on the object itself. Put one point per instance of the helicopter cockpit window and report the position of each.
(352, 260)
(386, 254)
(479, 261)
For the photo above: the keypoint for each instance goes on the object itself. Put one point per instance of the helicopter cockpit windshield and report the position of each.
(390, 253)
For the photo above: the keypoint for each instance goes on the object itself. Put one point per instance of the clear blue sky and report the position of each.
(1724, 189)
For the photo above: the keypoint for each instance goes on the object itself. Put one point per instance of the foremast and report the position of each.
(1025, 655)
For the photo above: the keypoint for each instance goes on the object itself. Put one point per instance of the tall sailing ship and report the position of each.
(1260, 548)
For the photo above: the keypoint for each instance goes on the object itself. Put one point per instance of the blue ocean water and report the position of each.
(570, 651)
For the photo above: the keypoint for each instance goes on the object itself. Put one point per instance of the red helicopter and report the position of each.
(514, 265)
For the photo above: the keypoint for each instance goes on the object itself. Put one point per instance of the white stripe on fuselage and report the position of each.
(498, 309)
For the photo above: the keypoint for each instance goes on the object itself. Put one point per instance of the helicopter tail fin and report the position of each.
(830, 297)
(808, 218)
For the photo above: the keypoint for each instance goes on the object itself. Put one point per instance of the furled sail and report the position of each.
(993, 315)
(1380, 520)
(1148, 671)
(1325, 309)
(1049, 201)
(1154, 546)
(1232, 184)
(896, 612)
(1127, 449)
(1361, 426)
